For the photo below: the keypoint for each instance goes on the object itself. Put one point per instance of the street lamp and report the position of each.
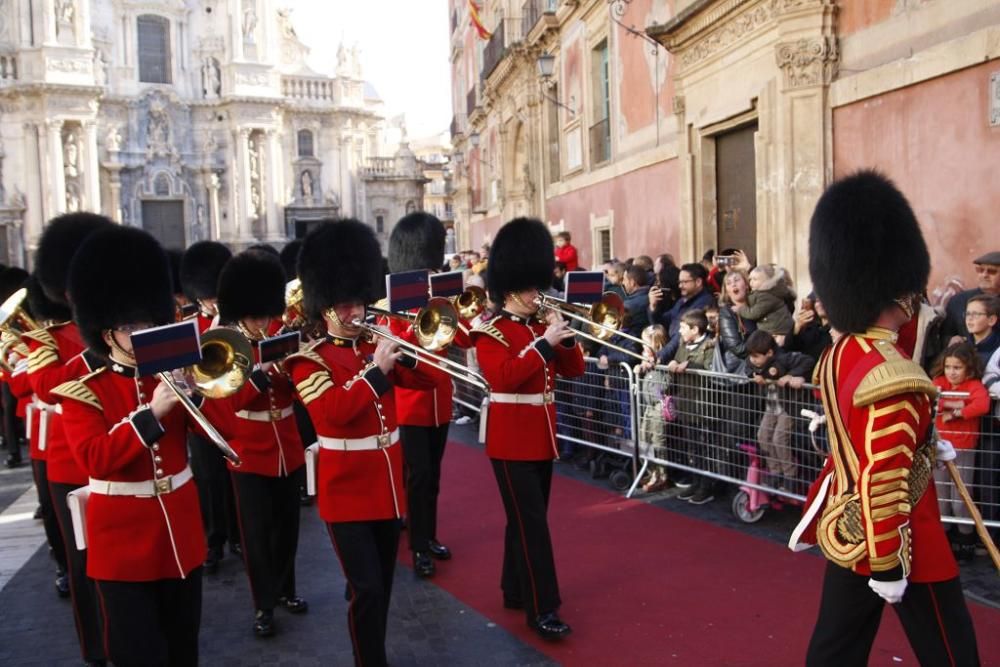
(546, 68)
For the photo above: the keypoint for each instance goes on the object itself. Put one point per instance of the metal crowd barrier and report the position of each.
(724, 427)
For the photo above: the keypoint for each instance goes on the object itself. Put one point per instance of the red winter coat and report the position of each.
(963, 432)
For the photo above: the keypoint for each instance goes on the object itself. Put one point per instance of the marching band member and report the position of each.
(143, 533)
(874, 510)
(200, 267)
(46, 312)
(346, 383)
(54, 359)
(251, 295)
(12, 279)
(417, 242)
(520, 358)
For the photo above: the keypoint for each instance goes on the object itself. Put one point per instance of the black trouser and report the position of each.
(39, 470)
(11, 424)
(423, 449)
(367, 552)
(152, 623)
(268, 511)
(987, 478)
(529, 568)
(215, 493)
(86, 612)
(934, 617)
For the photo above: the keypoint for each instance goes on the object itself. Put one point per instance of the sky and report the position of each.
(404, 52)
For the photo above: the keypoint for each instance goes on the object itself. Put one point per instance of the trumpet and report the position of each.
(225, 366)
(435, 326)
(603, 319)
(14, 321)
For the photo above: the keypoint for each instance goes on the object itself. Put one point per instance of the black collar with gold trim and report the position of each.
(121, 369)
(516, 318)
(340, 341)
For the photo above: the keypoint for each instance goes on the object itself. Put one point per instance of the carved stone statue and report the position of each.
(71, 155)
(210, 78)
(100, 68)
(113, 142)
(356, 61)
(306, 180)
(342, 68)
(249, 22)
(72, 201)
(333, 199)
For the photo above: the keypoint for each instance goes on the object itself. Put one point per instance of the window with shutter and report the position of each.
(154, 49)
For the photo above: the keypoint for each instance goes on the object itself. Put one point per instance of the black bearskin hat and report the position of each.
(119, 276)
(200, 268)
(60, 241)
(252, 284)
(265, 247)
(865, 250)
(522, 256)
(416, 242)
(290, 257)
(42, 307)
(340, 261)
(174, 257)
(11, 280)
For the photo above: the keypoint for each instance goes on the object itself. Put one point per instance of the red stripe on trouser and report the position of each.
(524, 542)
(69, 577)
(104, 619)
(944, 634)
(243, 539)
(350, 605)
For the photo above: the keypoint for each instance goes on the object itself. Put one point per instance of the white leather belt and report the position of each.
(523, 399)
(49, 407)
(359, 444)
(265, 415)
(147, 488)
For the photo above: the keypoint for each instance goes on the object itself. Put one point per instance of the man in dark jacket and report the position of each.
(988, 276)
(691, 284)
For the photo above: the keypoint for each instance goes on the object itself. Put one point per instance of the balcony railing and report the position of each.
(306, 88)
(380, 166)
(600, 142)
(457, 124)
(532, 11)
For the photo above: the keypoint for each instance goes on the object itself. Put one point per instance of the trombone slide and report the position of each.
(202, 421)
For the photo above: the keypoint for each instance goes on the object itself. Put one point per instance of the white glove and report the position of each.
(945, 451)
(815, 419)
(890, 591)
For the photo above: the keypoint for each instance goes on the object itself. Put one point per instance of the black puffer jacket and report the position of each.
(733, 334)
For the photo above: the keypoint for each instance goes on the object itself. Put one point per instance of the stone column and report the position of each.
(57, 177)
(214, 217)
(34, 187)
(275, 186)
(92, 172)
(113, 207)
(48, 20)
(243, 221)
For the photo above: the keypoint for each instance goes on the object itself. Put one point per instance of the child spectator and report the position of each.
(811, 334)
(712, 314)
(695, 352)
(566, 252)
(615, 271)
(767, 303)
(652, 429)
(959, 370)
(981, 314)
(777, 369)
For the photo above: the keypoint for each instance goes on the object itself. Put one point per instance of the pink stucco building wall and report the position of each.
(935, 141)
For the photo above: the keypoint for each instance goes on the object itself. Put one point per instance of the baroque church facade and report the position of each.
(193, 119)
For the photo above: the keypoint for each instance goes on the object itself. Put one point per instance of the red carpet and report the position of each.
(642, 585)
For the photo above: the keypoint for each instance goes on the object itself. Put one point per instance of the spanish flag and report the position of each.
(477, 22)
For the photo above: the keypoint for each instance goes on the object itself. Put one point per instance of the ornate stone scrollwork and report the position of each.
(808, 62)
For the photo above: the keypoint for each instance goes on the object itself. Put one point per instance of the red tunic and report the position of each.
(514, 359)
(48, 366)
(348, 397)
(116, 438)
(20, 388)
(272, 448)
(430, 405)
(878, 407)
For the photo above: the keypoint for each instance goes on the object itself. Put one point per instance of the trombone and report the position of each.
(470, 303)
(604, 320)
(14, 321)
(225, 366)
(435, 326)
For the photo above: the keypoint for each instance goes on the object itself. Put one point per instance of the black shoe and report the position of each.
(423, 566)
(702, 495)
(548, 626)
(305, 500)
(512, 603)
(438, 550)
(38, 513)
(263, 623)
(294, 605)
(236, 549)
(12, 461)
(688, 493)
(212, 559)
(62, 585)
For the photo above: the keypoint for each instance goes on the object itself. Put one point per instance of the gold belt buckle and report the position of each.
(276, 414)
(162, 486)
(547, 397)
(384, 441)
